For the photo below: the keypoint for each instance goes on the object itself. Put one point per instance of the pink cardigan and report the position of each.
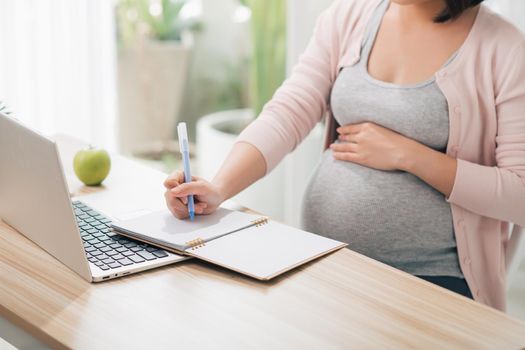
(485, 90)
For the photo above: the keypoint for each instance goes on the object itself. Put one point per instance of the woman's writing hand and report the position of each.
(207, 196)
(373, 146)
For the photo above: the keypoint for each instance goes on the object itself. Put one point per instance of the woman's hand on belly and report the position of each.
(376, 147)
(372, 145)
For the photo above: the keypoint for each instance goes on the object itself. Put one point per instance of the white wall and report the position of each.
(57, 66)
(300, 165)
(513, 10)
(302, 15)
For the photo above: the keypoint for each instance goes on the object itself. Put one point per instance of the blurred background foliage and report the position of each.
(235, 62)
(268, 60)
(157, 20)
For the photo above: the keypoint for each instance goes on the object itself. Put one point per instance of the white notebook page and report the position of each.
(266, 251)
(162, 226)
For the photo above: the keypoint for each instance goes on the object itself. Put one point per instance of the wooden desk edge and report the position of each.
(28, 327)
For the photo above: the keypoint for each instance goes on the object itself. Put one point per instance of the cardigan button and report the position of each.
(467, 261)
(457, 111)
(442, 74)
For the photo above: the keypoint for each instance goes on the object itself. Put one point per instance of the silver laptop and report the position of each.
(34, 199)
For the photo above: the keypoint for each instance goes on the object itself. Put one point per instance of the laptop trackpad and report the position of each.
(123, 207)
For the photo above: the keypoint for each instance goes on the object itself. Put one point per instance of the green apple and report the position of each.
(92, 166)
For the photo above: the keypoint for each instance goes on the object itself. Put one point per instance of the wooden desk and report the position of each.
(342, 301)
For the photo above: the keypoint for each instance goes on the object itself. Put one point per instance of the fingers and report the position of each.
(347, 157)
(350, 129)
(174, 180)
(177, 192)
(344, 147)
(177, 179)
(346, 152)
(200, 208)
(198, 188)
(353, 138)
(180, 209)
(176, 207)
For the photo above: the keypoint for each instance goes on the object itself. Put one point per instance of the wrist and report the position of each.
(221, 188)
(411, 155)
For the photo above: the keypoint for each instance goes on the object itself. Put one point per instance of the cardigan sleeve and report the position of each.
(499, 192)
(301, 102)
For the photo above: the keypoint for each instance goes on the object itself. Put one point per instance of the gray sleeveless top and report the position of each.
(390, 216)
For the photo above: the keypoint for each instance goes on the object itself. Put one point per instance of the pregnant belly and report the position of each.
(377, 213)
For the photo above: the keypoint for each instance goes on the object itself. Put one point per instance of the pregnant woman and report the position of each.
(424, 162)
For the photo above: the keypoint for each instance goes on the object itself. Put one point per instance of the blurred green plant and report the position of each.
(153, 19)
(268, 31)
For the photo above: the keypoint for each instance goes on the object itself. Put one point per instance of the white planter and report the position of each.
(151, 81)
(214, 144)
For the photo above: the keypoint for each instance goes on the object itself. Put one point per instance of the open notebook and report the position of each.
(249, 244)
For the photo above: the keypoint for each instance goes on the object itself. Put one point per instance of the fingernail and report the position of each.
(175, 190)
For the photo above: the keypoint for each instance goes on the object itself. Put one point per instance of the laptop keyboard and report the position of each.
(106, 249)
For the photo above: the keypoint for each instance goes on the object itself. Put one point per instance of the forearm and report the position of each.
(243, 166)
(435, 168)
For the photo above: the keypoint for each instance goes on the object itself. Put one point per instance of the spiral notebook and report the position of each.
(252, 245)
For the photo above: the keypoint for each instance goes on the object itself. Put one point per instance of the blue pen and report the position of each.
(185, 151)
